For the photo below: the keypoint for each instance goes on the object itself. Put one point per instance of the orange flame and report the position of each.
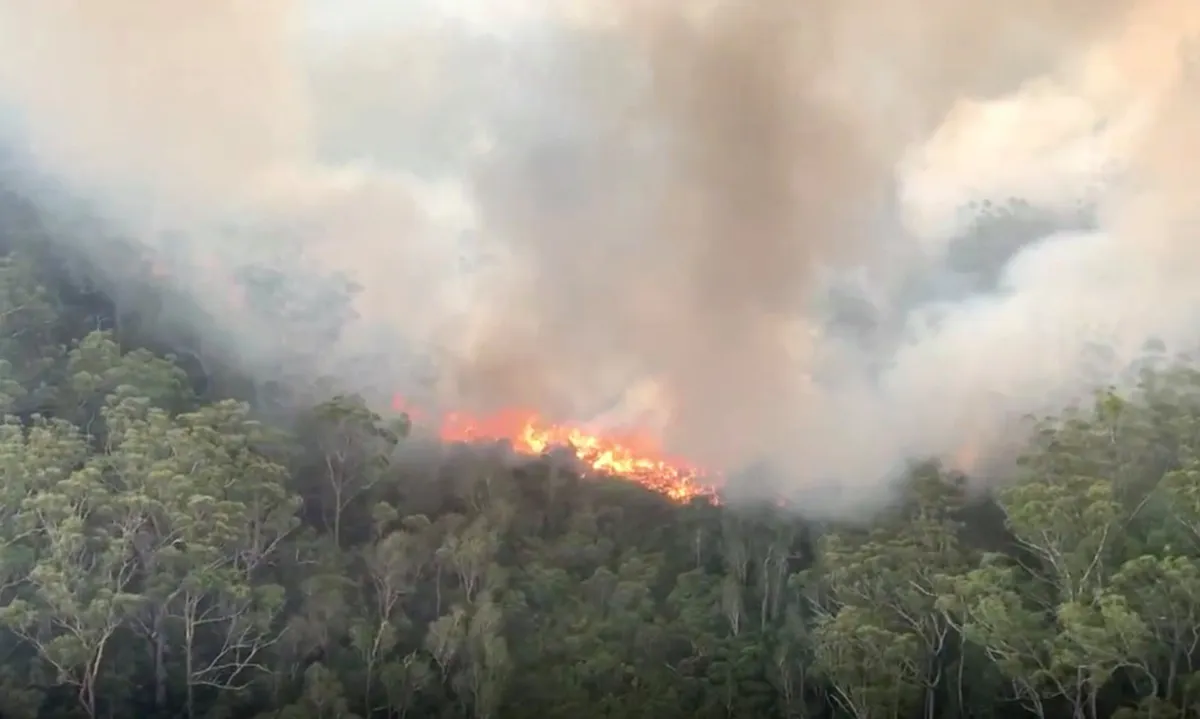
(633, 456)
(966, 457)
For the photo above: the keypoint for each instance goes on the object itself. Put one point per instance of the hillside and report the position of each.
(169, 550)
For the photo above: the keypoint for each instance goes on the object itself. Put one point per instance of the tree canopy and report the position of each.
(166, 552)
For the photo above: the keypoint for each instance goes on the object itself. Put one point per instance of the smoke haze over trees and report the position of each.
(560, 208)
(167, 549)
(916, 277)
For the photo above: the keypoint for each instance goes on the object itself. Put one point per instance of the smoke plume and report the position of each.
(740, 220)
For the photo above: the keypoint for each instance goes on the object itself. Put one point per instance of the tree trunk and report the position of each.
(189, 667)
(160, 662)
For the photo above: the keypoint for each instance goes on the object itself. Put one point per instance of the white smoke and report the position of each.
(548, 205)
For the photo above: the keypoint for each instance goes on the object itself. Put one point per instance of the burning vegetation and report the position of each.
(635, 456)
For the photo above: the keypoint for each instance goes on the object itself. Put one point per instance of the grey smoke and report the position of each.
(743, 223)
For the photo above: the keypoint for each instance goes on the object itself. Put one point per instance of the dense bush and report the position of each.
(164, 552)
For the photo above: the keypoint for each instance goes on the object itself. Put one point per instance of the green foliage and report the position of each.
(169, 555)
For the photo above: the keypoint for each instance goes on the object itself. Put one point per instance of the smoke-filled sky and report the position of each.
(744, 223)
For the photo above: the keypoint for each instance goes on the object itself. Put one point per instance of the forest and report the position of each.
(170, 547)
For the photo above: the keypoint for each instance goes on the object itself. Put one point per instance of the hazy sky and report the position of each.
(350, 16)
(699, 265)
